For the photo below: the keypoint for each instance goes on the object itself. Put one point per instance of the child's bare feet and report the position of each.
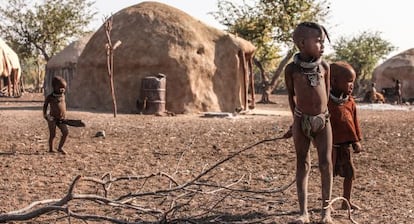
(327, 219)
(62, 151)
(353, 206)
(51, 151)
(303, 219)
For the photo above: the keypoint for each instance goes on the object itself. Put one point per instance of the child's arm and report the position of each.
(356, 123)
(45, 105)
(291, 94)
(357, 147)
(327, 77)
(290, 87)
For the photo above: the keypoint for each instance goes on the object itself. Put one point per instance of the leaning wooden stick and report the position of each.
(110, 48)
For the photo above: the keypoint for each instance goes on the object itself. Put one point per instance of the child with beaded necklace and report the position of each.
(57, 113)
(307, 80)
(346, 131)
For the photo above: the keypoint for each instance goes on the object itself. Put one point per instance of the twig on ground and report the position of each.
(177, 194)
(348, 205)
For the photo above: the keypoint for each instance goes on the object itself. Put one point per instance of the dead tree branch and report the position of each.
(348, 205)
(152, 207)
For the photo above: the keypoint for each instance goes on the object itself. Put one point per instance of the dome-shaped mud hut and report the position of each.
(64, 63)
(205, 69)
(399, 67)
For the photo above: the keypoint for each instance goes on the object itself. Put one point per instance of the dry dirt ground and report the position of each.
(183, 147)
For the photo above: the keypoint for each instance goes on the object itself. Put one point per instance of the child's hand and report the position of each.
(357, 147)
(288, 134)
(48, 118)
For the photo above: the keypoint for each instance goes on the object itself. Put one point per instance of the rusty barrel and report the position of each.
(153, 94)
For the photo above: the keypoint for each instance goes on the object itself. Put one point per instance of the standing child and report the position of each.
(398, 93)
(373, 96)
(57, 113)
(307, 81)
(345, 127)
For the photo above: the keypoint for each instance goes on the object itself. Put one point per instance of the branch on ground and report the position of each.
(128, 199)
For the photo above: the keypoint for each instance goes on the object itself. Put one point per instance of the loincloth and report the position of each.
(312, 125)
(344, 165)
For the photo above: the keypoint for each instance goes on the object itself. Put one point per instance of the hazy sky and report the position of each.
(394, 18)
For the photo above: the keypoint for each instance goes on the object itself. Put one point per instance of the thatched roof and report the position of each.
(8, 59)
(202, 65)
(69, 56)
(64, 63)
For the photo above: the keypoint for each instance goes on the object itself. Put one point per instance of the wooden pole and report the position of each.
(110, 61)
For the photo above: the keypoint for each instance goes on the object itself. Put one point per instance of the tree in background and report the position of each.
(268, 24)
(363, 52)
(246, 21)
(43, 29)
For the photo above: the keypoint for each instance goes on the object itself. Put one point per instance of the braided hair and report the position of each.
(302, 30)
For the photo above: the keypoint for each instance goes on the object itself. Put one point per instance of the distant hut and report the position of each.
(399, 67)
(64, 63)
(205, 69)
(10, 69)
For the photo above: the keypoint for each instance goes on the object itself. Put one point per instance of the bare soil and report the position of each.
(183, 146)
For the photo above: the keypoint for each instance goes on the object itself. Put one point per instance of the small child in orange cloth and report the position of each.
(346, 131)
